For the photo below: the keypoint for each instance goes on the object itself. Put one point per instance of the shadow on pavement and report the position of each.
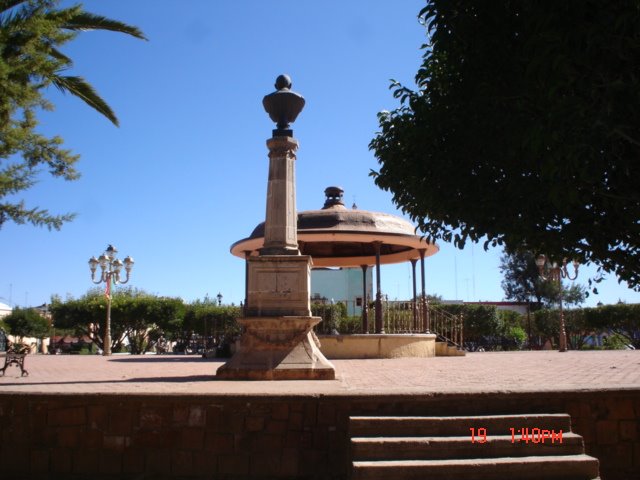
(162, 358)
(191, 378)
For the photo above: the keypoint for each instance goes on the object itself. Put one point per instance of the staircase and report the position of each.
(537, 446)
(446, 349)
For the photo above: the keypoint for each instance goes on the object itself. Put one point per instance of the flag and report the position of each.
(107, 291)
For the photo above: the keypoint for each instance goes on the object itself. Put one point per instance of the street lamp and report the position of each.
(555, 273)
(219, 297)
(110, 275)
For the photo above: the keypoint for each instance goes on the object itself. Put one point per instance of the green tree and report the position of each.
(621, 319)
(511, 329)
(523, 130)
(136, 316)
(26, 322)
(522, 282)
(31, 34)
(206, 319)
(145, 317)
(481, 322)
(547, 326)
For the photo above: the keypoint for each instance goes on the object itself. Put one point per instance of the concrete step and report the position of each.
(565, 467)
(443, 349)
(459, 426)
(431, 448)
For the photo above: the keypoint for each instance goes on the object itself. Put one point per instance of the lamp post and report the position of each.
(110, 275)
(554, 272)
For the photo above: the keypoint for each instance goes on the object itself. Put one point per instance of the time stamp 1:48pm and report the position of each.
(524, 435)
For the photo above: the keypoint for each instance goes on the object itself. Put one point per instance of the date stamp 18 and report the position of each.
(521, 435)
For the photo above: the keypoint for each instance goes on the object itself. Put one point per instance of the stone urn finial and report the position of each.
(283, 106)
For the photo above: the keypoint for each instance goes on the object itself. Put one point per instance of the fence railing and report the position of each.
(398, 317)
(448, 327)
(403, 317)
(421, 317)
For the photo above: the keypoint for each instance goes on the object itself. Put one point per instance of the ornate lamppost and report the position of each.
(554, 272)
(110, 275)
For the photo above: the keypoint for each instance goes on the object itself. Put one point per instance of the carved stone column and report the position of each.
(280, 229)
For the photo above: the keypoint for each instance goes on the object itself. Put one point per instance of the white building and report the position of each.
(342, 285)
(5, 309)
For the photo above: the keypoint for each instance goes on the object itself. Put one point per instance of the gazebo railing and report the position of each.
(446, 326)
(420, 317)
(401, 317)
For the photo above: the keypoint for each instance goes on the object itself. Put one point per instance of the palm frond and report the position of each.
(9, 18)
(89, 21)
(79, 87)
(58, 55)
(9, 4)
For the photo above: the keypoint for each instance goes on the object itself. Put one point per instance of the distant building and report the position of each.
(5, 309)
(342, 285)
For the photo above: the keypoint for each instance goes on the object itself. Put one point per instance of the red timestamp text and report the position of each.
(521, 435)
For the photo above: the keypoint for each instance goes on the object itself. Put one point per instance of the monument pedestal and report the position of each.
(278, 348)
(277, 341)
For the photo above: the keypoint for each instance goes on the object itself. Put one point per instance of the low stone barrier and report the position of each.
(378, 346)
(264, 437)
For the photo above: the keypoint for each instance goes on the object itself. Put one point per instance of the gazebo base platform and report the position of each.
(277, 348)
(378, 345)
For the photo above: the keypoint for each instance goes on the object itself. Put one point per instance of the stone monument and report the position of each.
(278, 342)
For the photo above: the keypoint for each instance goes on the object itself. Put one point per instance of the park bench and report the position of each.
(15, 359)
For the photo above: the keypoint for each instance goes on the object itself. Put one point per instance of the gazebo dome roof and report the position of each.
(335, 236)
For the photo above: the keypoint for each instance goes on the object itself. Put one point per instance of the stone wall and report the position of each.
(225, 437)
(378, 346)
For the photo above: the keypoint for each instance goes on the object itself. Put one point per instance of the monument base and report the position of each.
(278, 348)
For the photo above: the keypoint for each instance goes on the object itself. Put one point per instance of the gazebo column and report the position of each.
(379, 324)
(425, 310)
(365, 313)
(414, 301)
(247, 254)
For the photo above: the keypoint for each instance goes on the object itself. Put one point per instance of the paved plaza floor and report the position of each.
(477, 372)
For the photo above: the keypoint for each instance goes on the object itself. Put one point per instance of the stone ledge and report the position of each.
(378, 346)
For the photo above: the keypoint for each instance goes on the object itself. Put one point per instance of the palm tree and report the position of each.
(31, 32)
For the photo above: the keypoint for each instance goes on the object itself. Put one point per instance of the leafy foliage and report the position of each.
(621, 320)
(481, 322)
(26, 322)
(144, 321)
(523, 130)
(522, 282)
(209, 320)
(333, 315)
(135, 314)
(31, 34)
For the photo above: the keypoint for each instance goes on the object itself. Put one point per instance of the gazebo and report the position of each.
(336, 236)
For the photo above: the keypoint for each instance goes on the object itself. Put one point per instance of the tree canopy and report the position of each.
(523, 130)
(135, 315)
(26, 322)
(522, 282)
(31, 35)
(140, 319)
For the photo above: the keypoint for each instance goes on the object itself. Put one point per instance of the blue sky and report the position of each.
(185, 174)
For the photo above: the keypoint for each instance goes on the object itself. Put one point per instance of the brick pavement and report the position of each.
(477, 372)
